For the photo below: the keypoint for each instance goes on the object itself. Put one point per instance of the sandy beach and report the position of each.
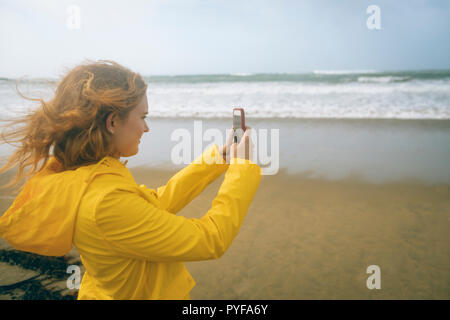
(307, 236)
(314, 239)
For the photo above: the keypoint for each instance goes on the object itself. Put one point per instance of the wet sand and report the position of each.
(314, 239)
(311, 232)
(379, 150)
(309, 238)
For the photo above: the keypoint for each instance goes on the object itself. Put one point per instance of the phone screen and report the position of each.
(237, 125)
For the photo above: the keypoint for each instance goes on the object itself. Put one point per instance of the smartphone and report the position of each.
(238, 124)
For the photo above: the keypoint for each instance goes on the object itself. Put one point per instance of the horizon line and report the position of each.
(246, 74)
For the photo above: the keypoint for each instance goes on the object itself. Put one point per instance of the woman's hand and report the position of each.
(243, 149)
(225, 149)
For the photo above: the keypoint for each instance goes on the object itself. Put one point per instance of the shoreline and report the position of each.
(303, 119)
(375, 151)
(379, 150)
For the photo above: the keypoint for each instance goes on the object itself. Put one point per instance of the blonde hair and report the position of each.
(72, 125)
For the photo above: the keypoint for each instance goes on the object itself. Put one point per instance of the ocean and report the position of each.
(363, 94)
(366, 124)
(314, 225)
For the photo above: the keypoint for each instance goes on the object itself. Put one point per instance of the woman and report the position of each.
(131, 242)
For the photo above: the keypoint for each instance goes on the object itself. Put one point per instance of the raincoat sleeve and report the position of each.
(189, 182)
(135, 228)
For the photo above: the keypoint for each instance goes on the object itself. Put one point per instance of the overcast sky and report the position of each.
(223, 36)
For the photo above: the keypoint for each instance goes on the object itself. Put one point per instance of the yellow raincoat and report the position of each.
(131, 242)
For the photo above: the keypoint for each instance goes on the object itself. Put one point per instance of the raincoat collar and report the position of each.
(42, 217)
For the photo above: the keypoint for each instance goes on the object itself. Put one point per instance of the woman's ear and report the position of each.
(111, 120)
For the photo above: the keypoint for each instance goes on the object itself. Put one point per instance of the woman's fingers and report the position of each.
(246, 138)
(240, 149)
(233, 150)
(248, 132)
(230, 137)
(244, 149)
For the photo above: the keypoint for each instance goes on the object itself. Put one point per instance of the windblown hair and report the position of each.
(72, 125)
